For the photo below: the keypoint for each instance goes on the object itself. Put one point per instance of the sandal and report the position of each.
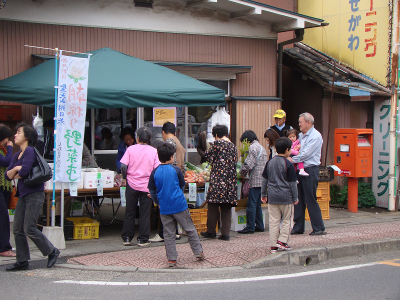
(8, 253)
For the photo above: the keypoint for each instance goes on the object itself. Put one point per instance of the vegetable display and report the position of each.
(198, 174)
(244, 150)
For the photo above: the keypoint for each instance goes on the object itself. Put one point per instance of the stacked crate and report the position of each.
(323, 198)
(199, 218)
(85, 228)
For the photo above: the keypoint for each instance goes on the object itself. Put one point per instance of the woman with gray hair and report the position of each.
(136, 166)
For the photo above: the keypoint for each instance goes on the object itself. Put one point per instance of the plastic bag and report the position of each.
(220, 117)
(38, 125)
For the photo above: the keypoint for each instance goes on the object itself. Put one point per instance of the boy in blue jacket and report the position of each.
(166, 185)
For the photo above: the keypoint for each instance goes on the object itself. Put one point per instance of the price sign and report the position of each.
(192, 192)
(206, 186)
(73, 189)
(122, 192)
(99, 184)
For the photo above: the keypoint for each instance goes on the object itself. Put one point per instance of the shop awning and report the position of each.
(116, 80)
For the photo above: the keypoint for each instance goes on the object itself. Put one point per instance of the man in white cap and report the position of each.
(280, 119)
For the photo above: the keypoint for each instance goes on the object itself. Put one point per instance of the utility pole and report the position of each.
(393, 106)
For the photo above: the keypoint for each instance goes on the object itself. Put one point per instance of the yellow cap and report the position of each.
(279, 114)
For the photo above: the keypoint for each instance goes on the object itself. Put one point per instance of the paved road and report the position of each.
(367, 277)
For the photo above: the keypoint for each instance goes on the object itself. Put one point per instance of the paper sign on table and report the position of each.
(122, 191)
(73, 189)
(99, 185)
(192, 192)
(206, 186)
(335, 168)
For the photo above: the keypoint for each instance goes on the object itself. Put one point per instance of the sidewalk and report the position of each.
(349, 234)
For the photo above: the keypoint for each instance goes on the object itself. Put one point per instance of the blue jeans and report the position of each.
(253, 211)
(26, 215)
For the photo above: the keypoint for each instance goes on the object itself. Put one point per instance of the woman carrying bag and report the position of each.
(6, 147)
(253, 166)
(30, 201)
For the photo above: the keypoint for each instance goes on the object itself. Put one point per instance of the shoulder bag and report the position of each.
(40, 173)
(246, 186)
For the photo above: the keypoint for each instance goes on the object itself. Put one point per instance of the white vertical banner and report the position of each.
(71, 115)
(380, 168)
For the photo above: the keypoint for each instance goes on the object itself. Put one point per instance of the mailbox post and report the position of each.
(353, 155)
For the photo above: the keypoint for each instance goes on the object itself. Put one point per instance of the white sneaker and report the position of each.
(303, 173)
(156, 238)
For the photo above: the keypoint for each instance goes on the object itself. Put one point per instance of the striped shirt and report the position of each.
(253, 167)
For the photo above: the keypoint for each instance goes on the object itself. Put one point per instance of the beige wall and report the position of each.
(260, 54)
(253, 115)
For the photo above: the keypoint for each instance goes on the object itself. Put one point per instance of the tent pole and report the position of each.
(186, 133)
(62, 206)
(53, 203)
(140, 118)
(92, 131)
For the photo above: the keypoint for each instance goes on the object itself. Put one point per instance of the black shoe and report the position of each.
(295, 232)
(259, 230)
(53, 257)
(126, 241)
(245, 231)
(224, 237)
(321, 232)
(208, 235)
(18, 266)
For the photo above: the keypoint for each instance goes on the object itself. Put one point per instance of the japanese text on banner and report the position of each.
(71, 115)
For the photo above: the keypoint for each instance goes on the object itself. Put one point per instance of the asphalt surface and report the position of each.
(366, 232)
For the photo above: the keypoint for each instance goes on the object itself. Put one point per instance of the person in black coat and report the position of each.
(280, 127)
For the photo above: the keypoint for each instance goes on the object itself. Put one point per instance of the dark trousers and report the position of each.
(4, 221)
(133, 197)
(308, 198)
(25, 219)
(213, 216)
(253, 211)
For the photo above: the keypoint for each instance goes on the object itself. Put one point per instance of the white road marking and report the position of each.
(235, 280)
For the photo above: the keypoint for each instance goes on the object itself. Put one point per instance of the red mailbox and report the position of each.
(353, 156)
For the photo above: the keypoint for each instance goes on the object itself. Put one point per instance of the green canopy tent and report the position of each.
(116, 80)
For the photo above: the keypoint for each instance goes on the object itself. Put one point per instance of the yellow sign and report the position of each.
(163, 114)
(357, 34)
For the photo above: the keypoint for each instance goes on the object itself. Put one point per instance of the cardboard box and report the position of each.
(76, 208)
(90, 177)
(49, 184)
(239, 220)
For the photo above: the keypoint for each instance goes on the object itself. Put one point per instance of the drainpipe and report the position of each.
(299, 37)
(393, 108)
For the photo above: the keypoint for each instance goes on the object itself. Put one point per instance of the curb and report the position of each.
(313, 256)
(304, 256)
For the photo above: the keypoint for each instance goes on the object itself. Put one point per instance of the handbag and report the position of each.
(246, 186)
(39, 173)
